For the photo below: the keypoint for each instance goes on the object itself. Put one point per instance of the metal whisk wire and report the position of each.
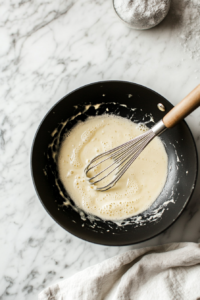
(122, 157)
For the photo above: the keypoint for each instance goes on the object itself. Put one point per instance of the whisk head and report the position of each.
(120, 158)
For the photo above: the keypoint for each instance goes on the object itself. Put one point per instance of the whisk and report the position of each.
(124, 155)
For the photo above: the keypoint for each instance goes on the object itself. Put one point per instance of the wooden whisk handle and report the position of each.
(183, 108)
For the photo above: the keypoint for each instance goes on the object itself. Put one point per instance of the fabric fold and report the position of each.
(163, 272)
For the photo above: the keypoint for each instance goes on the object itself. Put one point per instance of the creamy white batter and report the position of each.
(139, 186)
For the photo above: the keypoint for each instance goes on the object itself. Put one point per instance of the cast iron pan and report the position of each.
(179, 144)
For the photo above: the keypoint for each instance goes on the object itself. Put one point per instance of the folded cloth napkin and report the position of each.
(164, 272)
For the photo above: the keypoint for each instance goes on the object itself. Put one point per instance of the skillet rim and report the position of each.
(91, 239)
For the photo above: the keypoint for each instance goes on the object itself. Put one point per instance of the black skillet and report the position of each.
(178, 141)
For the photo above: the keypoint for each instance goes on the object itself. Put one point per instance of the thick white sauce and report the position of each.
(139, 186)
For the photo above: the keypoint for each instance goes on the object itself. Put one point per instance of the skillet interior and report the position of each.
(179, 144)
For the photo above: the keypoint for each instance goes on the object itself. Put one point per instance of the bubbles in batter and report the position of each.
(139, 186)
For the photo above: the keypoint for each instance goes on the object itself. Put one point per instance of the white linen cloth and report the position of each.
(164, 272)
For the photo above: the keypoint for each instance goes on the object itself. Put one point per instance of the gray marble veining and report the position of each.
(47, 49)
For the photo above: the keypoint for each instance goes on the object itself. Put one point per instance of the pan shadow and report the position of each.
(187, 227)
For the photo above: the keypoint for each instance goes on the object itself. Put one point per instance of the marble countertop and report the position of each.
(49, 48)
